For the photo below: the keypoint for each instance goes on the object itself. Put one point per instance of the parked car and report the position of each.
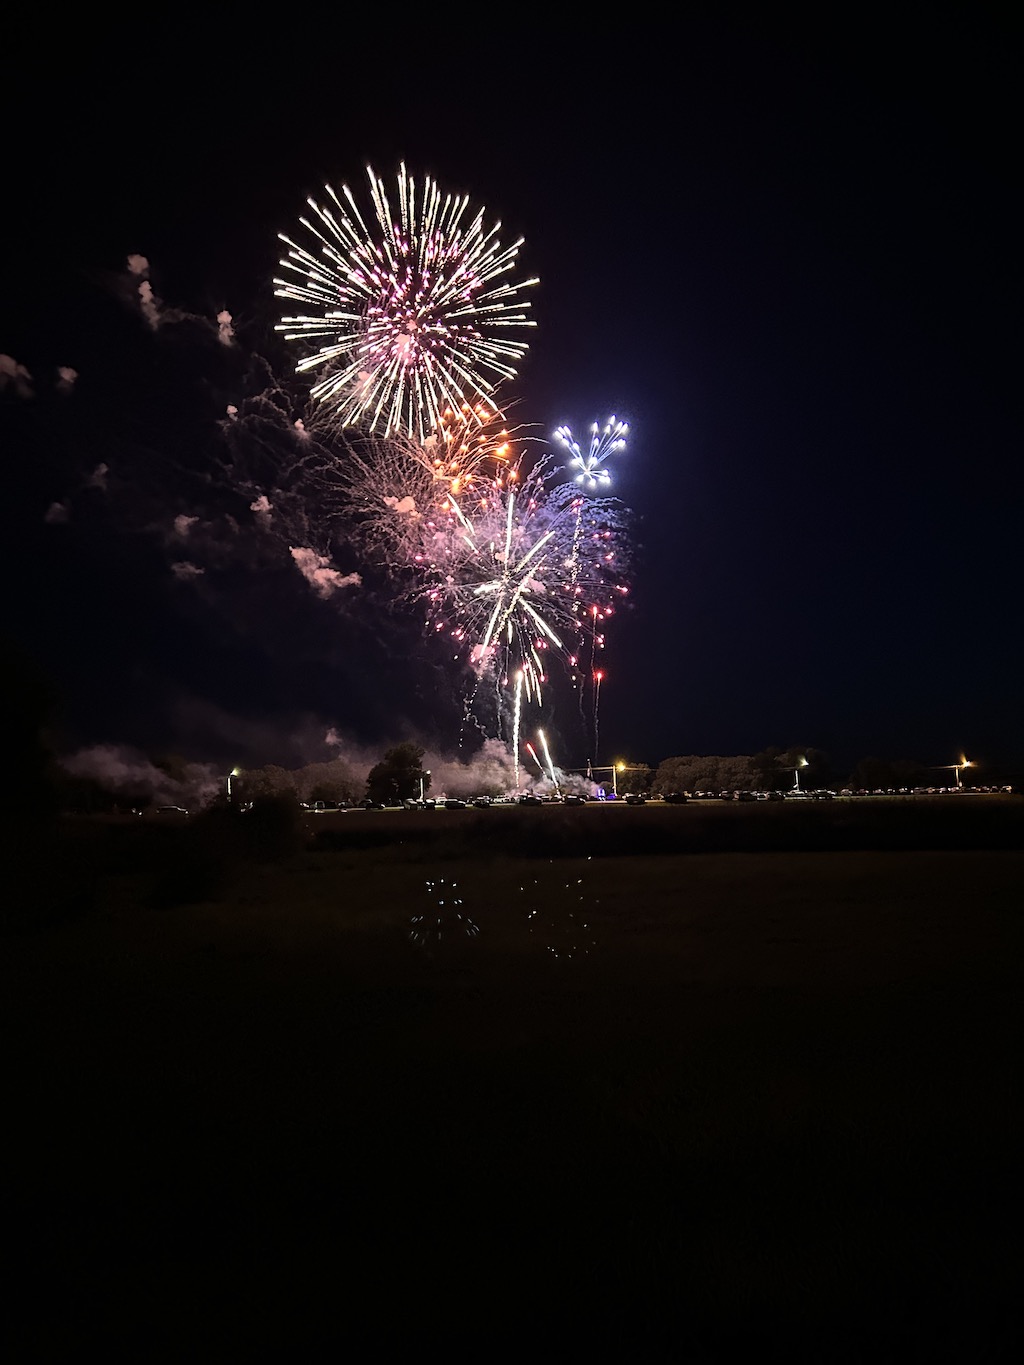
(574, 799)
(482, 802)
(171, 810)
(636, 799)
(676, 798)
(454, 804)
(530, 800)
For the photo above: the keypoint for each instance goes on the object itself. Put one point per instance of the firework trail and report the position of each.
(517, 716)
(590, 474)
(604, 441)
(409, 315)
(547, 754)
(533, 754)
(596, 713)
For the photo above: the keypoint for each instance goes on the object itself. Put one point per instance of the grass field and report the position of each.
(761, 1102)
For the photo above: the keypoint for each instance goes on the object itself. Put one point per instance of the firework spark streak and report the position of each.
(533, 754)
(604, 441)
(409, 317)
(547, 754)
(470, 447)
(514, 568)
(401, 463)
(504, 581)
(517, 715)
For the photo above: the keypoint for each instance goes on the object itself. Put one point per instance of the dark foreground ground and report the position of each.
(697, 1105)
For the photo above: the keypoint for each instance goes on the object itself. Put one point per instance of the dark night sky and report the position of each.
(792, 264)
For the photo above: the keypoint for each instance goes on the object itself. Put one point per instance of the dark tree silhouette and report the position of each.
(397, 777)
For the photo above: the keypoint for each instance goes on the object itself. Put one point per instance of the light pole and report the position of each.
(423, 774)
(590, 770)
(633, 768)
(796, 774)
(235, 772)
(956, 768)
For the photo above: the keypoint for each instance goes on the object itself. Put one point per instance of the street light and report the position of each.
(956, 768)
(796, 774)
(235, 772)
(590, 770)
(424, 773)
(634, 768)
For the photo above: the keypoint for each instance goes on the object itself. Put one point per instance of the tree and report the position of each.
(774, 768)
(333, 782)
(881, 774)
(770, 774)
(704, 772)
(268, 781)
(398, 776)
(635, 777)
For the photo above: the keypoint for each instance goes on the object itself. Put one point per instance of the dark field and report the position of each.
(702, 1103)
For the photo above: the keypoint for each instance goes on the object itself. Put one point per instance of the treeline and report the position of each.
(776, 769)
(107, 780)
(102, 780)
(334, 782)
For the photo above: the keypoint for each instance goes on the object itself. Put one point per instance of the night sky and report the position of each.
(790, 263)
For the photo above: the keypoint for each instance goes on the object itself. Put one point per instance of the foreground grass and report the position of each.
(729, 1102)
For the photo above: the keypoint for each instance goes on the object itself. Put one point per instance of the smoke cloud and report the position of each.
(126, 773)
(15, 376)
(317, 571)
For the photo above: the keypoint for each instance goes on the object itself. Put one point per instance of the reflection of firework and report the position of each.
(446, 920)
(409, 315)
(558, 920)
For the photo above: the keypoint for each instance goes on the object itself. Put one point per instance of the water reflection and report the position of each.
(553, 912)
(447, 918)
(557, 917)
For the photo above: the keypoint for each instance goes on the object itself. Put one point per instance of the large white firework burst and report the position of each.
(409, 316)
